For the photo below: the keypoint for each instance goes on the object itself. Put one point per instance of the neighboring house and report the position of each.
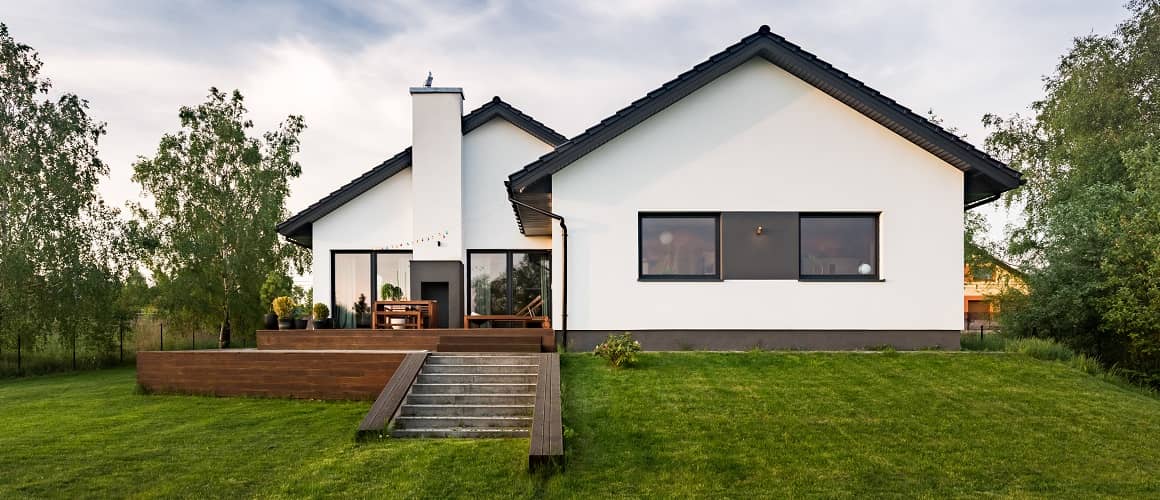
(982, 281)
(761, 199)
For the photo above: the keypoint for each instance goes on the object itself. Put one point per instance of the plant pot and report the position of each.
(285, 324)
(321, 324)
(271, 321)
(300, 324)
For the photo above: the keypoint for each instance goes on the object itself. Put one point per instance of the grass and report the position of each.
(679, 425)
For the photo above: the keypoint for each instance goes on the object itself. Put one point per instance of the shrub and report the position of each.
(284, 307)
(988, 342)
(1045, 349)
(1087, 364)
(619, 350)
(321, 311)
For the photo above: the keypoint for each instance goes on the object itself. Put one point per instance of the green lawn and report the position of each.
(682, 424)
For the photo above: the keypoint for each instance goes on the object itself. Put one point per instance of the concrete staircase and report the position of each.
(470, 395)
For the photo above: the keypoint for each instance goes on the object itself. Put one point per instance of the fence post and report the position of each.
(162, 336)
(980, 333)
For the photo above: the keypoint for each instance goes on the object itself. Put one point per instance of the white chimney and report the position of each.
(437, 172)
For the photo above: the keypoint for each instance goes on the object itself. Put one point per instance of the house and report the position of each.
(762, 199)
(983, 279)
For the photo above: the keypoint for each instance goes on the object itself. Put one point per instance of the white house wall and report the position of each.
(376, 219)
(758, 139)
(490, 153)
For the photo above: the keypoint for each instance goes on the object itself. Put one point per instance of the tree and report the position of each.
(218, 194)
(61, 251)
(1090, 235)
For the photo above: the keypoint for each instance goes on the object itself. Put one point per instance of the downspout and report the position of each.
(564, 233)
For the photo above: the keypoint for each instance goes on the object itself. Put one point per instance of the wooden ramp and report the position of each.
(547, 447)
(392, 396)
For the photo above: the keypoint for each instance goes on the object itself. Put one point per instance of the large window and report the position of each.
(839, 246)
(679, 247)
(359, 276)
(509, 282)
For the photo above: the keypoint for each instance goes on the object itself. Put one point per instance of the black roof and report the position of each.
(298, 229)
(986, 177)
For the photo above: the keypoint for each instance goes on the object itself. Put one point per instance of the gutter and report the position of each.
(564, 232)
(984, 201)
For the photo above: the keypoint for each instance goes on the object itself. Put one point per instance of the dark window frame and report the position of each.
(374, 270)
(640, 276)
(876, 216)
(508, 268)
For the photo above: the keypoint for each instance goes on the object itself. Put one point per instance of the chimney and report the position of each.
(437, 172)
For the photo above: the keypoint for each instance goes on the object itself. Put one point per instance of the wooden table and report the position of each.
(419, 314)
(477, 320)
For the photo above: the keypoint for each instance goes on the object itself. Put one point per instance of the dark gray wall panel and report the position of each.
(441, 271)
(743, 340)
(772, 255)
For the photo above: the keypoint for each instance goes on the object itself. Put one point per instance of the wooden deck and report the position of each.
(392, 396)
(320, 364)
(304, 374)
(547, 446)
(435, 340)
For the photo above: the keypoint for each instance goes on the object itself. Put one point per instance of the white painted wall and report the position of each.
(378, 218)
(760, 139)
(437, 172)
(491, 152)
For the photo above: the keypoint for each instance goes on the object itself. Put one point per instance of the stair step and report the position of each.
(487, 422)
(461, 433)
(529, 369)
(452, 410)
(473, 389)
(477, 378)
(483, 359)
(472, 399)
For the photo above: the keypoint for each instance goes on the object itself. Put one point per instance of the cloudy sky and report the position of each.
(346, 65)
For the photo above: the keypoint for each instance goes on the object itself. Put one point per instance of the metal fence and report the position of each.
(145, 332)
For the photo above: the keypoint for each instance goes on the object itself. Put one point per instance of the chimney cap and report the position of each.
(437, 90)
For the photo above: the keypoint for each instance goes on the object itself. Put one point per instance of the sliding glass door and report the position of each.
(509, 282)
(357, 280)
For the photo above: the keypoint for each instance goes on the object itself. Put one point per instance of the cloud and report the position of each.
(346, 65)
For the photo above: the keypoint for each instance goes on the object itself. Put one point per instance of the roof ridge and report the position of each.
(544, 165)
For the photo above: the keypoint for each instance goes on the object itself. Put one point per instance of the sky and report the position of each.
(346, 66)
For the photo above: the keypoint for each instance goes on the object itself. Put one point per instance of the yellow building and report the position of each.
(981, 282)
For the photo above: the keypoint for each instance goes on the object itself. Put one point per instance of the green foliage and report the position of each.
(284, 307)
(218, 193)
(1091, 205)
(390, 292)
(1044, 349)
(619, 350)
(320, 311)
(991, 342)
(62, 255)
(277, 284)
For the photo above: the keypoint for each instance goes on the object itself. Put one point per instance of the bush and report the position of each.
(284, 307)
(989, 342)
(1045, 349)
(320, 311)
(619, 350)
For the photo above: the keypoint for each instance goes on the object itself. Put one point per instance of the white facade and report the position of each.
(378, 218)
(759, 139)
(489, 152)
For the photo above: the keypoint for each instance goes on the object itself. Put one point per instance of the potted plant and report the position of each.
(277, 284)
(284, 307)
(300, 318)
(362, 317)
(391, 292)
(321, 316)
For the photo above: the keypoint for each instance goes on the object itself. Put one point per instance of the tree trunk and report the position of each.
(224, 334)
